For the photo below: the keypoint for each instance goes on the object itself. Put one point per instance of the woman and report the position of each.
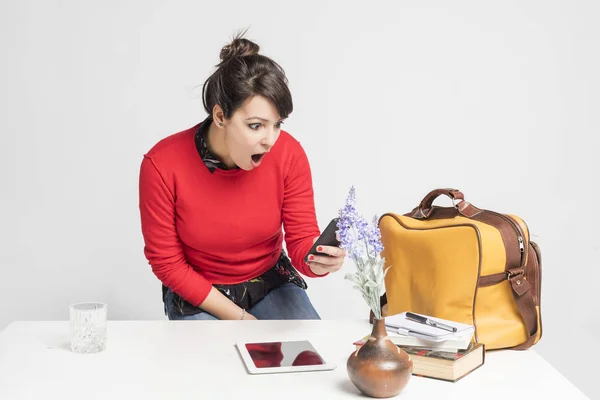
(213, 199)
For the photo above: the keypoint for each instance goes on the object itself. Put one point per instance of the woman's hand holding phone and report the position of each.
(326, 256)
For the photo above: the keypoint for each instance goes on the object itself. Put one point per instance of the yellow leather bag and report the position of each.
(464, 264)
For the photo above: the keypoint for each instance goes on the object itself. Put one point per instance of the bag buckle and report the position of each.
(514, 273)
(517, 280)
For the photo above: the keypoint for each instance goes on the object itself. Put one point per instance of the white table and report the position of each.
(198, 360)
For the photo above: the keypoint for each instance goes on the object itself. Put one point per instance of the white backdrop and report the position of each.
(499, 100)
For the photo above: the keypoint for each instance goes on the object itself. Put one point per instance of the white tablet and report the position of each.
(284, 356)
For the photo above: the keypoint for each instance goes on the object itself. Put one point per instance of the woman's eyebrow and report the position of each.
(262, 119)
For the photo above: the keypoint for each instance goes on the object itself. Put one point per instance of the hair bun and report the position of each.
(239, 47)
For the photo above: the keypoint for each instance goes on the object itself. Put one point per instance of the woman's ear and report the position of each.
(218, 115)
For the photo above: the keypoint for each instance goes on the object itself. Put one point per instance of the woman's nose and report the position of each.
(269, 140)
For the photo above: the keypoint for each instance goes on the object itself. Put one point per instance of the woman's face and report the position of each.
(251, 132)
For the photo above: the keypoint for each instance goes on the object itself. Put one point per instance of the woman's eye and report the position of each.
(278, 125)
(254, 126)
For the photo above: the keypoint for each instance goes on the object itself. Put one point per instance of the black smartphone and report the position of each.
(327, 238)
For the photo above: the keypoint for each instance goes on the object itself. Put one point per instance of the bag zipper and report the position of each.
(520, 234)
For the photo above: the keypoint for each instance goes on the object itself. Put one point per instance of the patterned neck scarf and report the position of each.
(211, 161)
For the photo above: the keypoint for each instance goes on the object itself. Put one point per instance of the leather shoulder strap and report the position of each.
(524, 299)
(523, 295)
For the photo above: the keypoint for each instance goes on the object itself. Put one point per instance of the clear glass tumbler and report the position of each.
(88, 327)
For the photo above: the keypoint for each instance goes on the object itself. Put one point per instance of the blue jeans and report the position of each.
(288, 301)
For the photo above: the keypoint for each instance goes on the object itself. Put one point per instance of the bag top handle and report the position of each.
(424, 209)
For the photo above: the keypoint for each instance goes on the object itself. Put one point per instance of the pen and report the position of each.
(427, 321)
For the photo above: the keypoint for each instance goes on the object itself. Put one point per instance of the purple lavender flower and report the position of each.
(374, 236)
(348, 214)
(362, 228)
(347, 218)
(357, 236)
(348, 238)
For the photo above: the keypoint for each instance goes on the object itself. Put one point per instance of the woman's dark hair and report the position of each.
(242, 74)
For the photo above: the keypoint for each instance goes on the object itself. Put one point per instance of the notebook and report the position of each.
(421, 341)
(407, 326)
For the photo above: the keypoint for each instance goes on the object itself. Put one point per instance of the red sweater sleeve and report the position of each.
(163, 248)
(299, 219)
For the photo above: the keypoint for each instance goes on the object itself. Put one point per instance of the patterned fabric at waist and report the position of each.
(249, 293)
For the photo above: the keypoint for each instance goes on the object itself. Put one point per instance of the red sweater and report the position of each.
(202, 228)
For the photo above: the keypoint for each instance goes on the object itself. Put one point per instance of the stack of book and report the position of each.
(439, 349)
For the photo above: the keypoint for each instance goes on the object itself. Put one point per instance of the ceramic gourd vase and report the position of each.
(379, 368)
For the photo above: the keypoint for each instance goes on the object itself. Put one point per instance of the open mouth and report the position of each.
(257, 157)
